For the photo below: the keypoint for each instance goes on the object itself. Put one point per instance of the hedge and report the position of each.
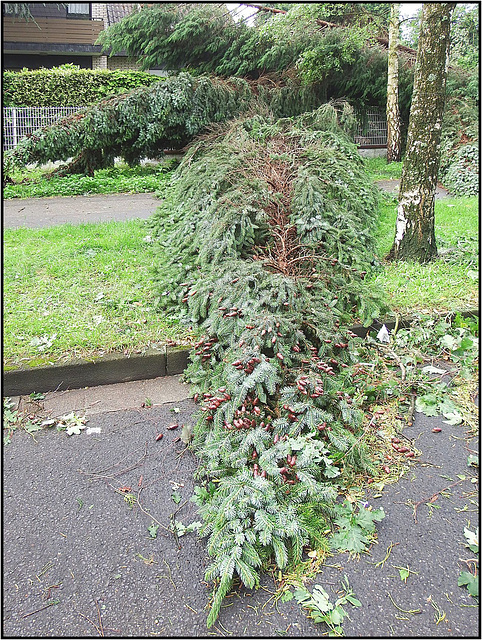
(68, 85)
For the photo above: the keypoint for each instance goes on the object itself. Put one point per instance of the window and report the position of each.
(78, 9)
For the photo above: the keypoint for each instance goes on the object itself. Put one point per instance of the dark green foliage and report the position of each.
(67, 86)
(184, 36)
(459, 163)
(464, 36)
(141, 123)
(462, 177)
(204, 38)
(147, 120)
(356, 13)
(264, 240)
(363, 79)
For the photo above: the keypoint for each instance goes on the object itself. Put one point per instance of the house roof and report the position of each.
(116, 11)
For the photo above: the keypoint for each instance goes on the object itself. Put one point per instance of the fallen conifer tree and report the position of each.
(148, 120)
(263, 241)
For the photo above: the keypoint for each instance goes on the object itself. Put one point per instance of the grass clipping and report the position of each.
(264, 240)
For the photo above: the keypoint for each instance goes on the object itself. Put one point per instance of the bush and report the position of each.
(462, 176)
(68, 86)
(264, 239)
(459, 162)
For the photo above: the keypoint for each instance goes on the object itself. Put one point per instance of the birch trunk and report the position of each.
(393, 111)
(415, 227)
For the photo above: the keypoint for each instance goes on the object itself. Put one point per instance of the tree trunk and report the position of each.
(393, 111)
(415, 227)
(86, 163)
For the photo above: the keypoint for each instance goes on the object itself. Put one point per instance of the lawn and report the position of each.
(83, 290)
(79, 291)
(447, 284)
(36, 182)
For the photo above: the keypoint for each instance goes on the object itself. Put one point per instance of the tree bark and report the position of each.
(393, 111)
(415, 226)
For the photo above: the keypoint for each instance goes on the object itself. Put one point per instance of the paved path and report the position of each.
(46, 212)
(392, 186)
(75, 553)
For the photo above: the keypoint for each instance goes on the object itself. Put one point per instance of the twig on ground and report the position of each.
(100, 619)
(389, 550)
(411, 611)
(99, 474)
(170, 575)
(140, 507)
(89, 620)
(49, 589)
(100, 630)
(432, 498)
(152, 517)
(49, 604)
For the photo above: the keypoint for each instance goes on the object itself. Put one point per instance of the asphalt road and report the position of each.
(46, 212)
(78, 560)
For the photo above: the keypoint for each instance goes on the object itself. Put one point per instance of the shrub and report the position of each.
(68, 86)
(462, 176)
(459, 163)
(263, 240)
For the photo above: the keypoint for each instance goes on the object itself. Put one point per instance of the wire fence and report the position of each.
(20, 121)
(372, 129)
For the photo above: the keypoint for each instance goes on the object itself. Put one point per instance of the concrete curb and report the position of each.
(116, 367)
(109, 369)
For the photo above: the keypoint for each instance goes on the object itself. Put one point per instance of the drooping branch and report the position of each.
(411, 53)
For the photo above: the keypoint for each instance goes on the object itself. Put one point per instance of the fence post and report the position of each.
(14, 126)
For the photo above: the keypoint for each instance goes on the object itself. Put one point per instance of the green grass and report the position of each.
(446, 284)
(79, 291)
(35, 183)
(378, 169)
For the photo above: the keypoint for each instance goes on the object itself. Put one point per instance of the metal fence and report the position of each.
(18, 121)
(372, 129)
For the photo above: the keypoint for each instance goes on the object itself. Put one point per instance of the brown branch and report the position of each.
(99, 474)
(262, 8)
(432, 498)
(49, 604)
(89, 620)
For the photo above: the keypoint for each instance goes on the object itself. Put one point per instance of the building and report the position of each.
(61, 33)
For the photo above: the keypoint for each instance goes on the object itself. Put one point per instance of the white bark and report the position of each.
(393, 110)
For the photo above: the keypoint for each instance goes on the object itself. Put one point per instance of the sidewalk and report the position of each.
(392, 186)
(78, 555)
(46, 212)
